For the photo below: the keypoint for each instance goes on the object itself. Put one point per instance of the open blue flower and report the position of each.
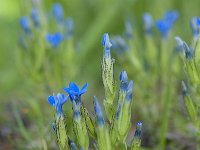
(24, 23)
(54, 39)
(75, 93)
(164, 25)
(57, 101)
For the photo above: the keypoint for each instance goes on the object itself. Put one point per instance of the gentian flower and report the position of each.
(98, 112)
(119, 44)
(171, 16)
(126, 86)
(198, 22)
(123, 77)
(25, 24)
(54, 39)
(57, 12)
(57, 102)
(35, 17)
(180, 43)
(69, 27)
(195, 26)
(189, 51)
(164, 25)
(147, 23)
(138, 131)
(106, 44)
(75, 93)
(128, 30)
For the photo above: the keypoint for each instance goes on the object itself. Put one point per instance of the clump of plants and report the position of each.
(109, 128)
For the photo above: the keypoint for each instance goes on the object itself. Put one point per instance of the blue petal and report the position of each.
(171, 16)
(51, 100)
(73, 87)
(63, 98)
(84, 88)
(66, 90)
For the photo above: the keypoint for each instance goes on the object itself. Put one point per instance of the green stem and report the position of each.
(167, 90)
(165, 115)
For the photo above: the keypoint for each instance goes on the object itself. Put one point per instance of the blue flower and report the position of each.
(23, 21)
(179, 46)
(189, 51)
(106, 44)
(171, 16)
(126, 86)
(119, 44)
(57, 12)
(123, 77)
(35, 17)
(98, 112)
(164, 25)
(138, 131)
(129, 91)
(69, 27)
(128, 30)
(198, 22)
(57, 102)
(195, 25)
(75, 93)
(147, 23)
(54, 39)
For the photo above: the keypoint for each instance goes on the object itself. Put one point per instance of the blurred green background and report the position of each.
(91, 19)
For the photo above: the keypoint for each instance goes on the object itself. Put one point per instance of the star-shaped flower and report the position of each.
(75, 93)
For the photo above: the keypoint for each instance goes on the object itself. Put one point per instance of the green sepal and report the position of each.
(192, 71)
(103, 138)
(124, 121)
(80, 130)
(108, 79)
(109, 109)
(121, 146)
(135, 144)
(61, 133)
(197, 55)
(191, 110)
(89, 122)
